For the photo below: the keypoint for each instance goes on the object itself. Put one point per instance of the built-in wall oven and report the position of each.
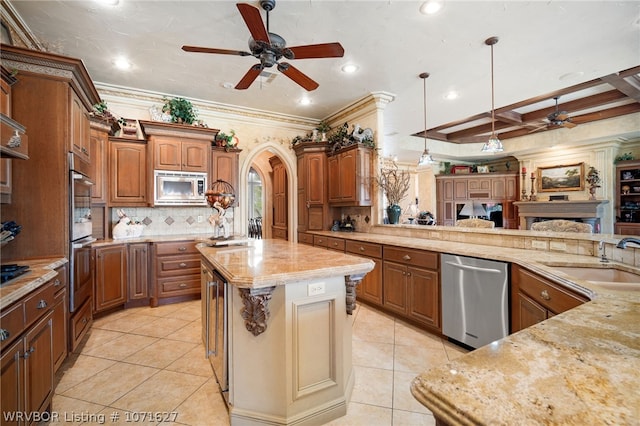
(80, 239)
(214, 325)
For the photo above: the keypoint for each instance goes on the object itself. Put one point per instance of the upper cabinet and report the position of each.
(13, 138)
(350, 176)
(224, 166)
(627, 198)
(127, 173)
(179, 147)
(313, 210)
(80, 129)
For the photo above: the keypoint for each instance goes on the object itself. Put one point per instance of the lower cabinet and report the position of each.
(370, 288)
(534, 298)
(176, 271)
(138, 274)
(27, 357)
(411, 285)
(60, 318)
(110, 284)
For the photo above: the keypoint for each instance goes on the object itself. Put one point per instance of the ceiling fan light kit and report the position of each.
(269, 48)
(425, 158)
(493, 145)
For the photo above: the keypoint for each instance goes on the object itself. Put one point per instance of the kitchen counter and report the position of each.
(41, 271)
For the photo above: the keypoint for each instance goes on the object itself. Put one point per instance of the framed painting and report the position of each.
(561, 178)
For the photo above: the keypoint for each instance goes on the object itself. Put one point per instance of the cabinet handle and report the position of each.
(56, 282)
(42, 304)
(406, 257)
(84, 320)
(335, 244)
(182, 265)
(183, 285)
(28, 353)
(408, 274)
(361, 248)
(404, 273)
(4, 334)
(545, 295)
(182, 248)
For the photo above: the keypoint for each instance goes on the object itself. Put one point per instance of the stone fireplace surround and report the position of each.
(587, 211)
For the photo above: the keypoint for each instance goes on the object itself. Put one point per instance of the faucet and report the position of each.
(603, 255)
(623, 242)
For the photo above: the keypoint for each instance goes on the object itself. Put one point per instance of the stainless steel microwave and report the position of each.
(179, 188)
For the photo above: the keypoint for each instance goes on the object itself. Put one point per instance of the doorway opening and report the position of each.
(255, 203)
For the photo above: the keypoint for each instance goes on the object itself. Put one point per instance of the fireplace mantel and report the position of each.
(588, 211)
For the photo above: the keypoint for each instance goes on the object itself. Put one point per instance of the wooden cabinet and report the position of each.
(495, 191)
(5, 180)
(138, 274)
(80, 131)
(176, 271)
(627, 198)
(99, 140)
(534, 298)
(27, 357)
(305, 238)
(370, 288)
(171, 153)
(224, 166)
(411, 285)
(313, 209)
(349, 176)
(280, 205)
(110, 288)
(128, 185)
(60, 320)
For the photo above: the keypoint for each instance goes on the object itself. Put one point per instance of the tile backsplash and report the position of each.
(172, 220)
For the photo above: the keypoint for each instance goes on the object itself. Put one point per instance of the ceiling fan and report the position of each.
(270, 48)
(557, 119)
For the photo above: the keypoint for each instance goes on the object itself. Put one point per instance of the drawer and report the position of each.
(279, 233)
(39, 303)
(178, 286)
(305, 238)
(11, 324)
(365, 249)
(183, 265)
(425, 259)
(80, 323)
(60, 282)
(320, 241)
(553, 297)
(335, 244)
(177, 247)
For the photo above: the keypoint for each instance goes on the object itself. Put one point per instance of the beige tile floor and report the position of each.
(151, 360)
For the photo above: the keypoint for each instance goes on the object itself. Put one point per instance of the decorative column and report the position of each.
(351, 281)
(256, 308)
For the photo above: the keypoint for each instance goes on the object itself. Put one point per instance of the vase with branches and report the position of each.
(593, 179)
(395, 184)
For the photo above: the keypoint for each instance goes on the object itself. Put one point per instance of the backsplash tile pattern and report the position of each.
(171, 220)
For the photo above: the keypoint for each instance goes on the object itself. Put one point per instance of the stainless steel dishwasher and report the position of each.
(475, 306)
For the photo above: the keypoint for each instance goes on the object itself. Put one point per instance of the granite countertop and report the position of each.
(40, 271)
(272, 262)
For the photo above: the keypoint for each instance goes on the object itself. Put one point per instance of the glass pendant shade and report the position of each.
(493, 145)
(425, 158)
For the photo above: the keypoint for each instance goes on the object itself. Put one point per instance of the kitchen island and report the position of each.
(289, 329)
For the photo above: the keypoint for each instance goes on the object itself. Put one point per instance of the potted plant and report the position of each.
(593, 179)
(226, 141)
(323, 128)
(395, 184)
(181, 110)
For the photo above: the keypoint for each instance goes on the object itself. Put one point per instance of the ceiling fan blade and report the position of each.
(249, 77)
(569, 124)
(213, 50)
(298, 76)
(562, 116)
(536, 129)
(252, 18)
(324, 50)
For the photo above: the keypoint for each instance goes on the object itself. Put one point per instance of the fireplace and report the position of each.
(587, 211)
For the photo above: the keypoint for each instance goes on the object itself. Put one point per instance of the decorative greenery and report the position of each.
(224, 140)
(323, 127)
(624, 157)
(593, 176)
(394, 182)
(180, 109)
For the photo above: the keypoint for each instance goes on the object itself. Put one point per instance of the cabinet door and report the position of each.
(348, 172)
(60, 330)
(395, 287)
(511, 188)
(424, 296)
(315, 179)
(224, 166)
(98, 168)
(111, 277)
(529, 313)
(333, 168)
(138, 263)
(80, 129)
(498, 188)
(370, 288)
(460, 189)
(39, 365)
(127, 174)
(11, 382)
(167, 153)
(195, 156)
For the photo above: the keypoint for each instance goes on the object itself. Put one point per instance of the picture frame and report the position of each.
(483, 169)
(562, 178)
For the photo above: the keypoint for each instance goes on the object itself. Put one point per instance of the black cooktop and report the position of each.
(11, 271)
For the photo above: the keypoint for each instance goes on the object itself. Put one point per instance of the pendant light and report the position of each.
(425, 158)
(493, 144)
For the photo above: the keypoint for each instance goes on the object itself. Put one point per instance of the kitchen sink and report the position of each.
(609, 278)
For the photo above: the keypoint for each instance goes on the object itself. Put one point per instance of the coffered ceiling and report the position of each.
(574, 49)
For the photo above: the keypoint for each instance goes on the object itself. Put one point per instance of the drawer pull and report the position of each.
(4, 334)
(361, 248)
(84, 320)
(182, 249)
(182, 265)
(335, 244)
(56, 282)
(42, 304)
(406, 257)
(545, 295)
(28, 353)
(183, 285)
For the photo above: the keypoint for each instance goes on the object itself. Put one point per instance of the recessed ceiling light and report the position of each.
(349, 68)
(109, 2)
(122, 63)
(571, 76)
(430, 7)
(451, 95)
(305, 101)
(227, 85)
